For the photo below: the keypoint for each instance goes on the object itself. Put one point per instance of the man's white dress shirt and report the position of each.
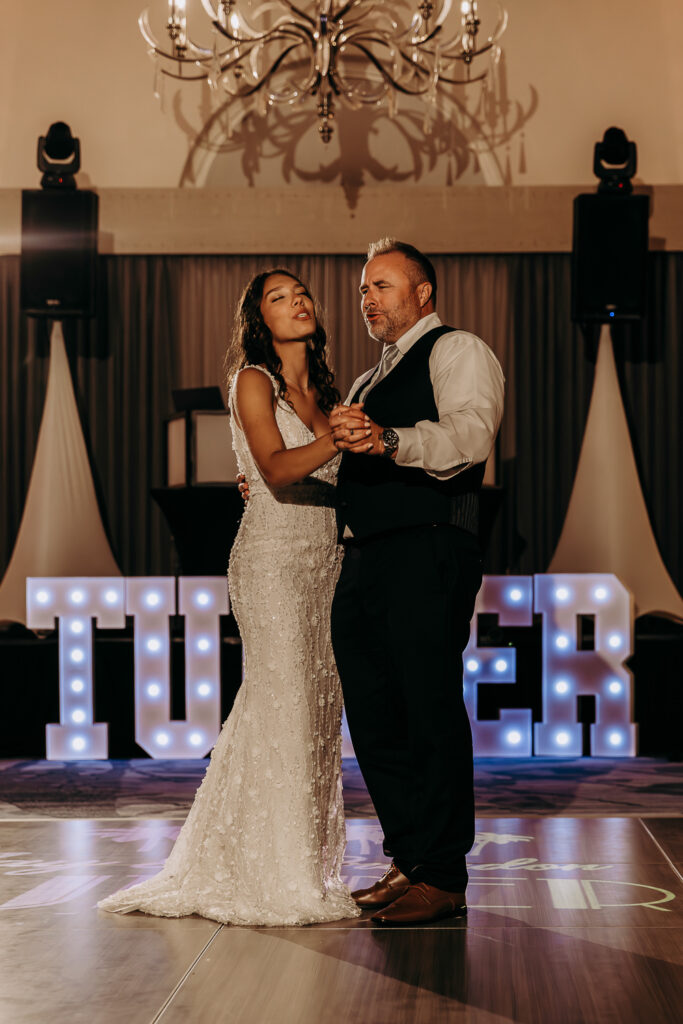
(468, 390)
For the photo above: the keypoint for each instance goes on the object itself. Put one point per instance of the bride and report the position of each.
(264, 841)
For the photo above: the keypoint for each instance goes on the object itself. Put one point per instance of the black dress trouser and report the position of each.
(400, 622)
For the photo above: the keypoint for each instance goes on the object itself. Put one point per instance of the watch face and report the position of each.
(390, 438)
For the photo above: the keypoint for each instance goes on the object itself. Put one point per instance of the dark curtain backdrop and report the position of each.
(164, 321)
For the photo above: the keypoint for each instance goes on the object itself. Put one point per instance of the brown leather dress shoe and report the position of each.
(423, 902)
(391, 885)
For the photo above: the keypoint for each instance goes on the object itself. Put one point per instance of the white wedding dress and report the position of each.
(264, 841)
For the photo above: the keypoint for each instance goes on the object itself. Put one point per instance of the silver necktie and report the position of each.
(389, 357)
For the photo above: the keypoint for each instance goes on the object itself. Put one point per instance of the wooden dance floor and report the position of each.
(571, 921)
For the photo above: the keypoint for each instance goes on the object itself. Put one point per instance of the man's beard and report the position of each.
(392, 324)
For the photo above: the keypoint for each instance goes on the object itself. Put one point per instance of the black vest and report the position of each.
(373, 493)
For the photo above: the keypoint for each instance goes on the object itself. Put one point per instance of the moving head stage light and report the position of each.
(614, 162)
(59, 157)
(609, 254)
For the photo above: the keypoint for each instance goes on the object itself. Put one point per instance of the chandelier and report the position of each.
(358, 51)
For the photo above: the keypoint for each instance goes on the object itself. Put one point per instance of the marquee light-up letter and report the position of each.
(511, 598)
(201, 601)
(569, 673)
(151, 600)
(75, 602)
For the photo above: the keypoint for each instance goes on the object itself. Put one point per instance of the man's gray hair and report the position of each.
(423, 267)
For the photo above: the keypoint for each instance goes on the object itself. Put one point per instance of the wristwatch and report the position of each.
(390, 441)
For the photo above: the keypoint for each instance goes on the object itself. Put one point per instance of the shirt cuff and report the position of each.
(411, 453)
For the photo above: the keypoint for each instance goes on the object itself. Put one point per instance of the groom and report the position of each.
(407, 512)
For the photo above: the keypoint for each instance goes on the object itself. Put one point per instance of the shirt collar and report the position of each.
(407, 340)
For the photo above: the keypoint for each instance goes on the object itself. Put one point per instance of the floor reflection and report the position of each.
(570, 920)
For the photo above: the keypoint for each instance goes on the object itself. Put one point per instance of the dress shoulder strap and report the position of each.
(233, 386)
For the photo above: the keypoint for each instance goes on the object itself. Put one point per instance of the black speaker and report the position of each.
(58, 252)
(609, 257)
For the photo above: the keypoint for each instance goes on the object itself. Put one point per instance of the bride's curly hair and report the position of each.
(252, 344)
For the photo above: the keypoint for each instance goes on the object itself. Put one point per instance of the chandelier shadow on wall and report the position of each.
(360, 52)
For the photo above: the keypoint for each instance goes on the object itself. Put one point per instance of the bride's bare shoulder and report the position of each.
(253, 380)
(253, 391)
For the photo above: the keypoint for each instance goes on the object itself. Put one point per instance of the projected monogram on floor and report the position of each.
(98, 857)
(568, 672)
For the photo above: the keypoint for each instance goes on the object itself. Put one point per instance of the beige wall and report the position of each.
(595, 64)
(571, 69)
(266, 220)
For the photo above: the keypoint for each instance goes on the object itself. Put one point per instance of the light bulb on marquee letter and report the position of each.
(569, 673)
(75, 602)
(511, 598)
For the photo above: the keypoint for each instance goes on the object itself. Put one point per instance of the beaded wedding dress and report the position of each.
(264, 841)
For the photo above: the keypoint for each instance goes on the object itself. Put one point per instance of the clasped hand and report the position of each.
(354, 431)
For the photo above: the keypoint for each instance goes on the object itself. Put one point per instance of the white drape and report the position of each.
(61, 531)
(607, 527)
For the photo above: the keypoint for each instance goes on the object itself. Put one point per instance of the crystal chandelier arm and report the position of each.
(446, 8)
(296, 90)
(411, 36)
(300, 33)
(444, 12)
(308, 84)
(400, 57)
(352, 93)
(395, 33)
(398, 38)
(501, 24)
(362, 21)
(299, 13)
(192, 51)
(255, 37)
(280, 28)
(249, 90)
(209, 8)
(461, 55)
(448, 47)
(144, 26)
(343, 11)
(353, 96)
(251, 50)
(369, 7)
(411, 31)
(463, 81)
(491, 40)
(184, 78)
(215, 16)
(198, 53)
(288, 29)
(244, 32)
(421, 40)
